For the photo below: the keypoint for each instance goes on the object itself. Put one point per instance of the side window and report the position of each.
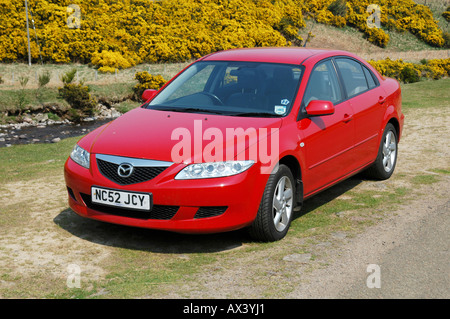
(352, 76)
(369, 78)
(323, 84)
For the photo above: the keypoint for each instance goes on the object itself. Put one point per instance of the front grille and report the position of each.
(210, 211)
(139, 175)
(160, 212)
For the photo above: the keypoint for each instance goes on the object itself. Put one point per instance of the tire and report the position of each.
(384, 165)
(277, 207)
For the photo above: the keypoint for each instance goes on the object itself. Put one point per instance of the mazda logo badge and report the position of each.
(125, 170)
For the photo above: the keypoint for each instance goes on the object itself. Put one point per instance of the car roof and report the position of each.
(288, 55)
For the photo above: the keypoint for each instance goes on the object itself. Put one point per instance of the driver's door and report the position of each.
(327, 140)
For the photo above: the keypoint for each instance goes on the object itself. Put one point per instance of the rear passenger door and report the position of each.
(366, 98)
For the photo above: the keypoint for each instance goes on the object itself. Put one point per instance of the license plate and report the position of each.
(116, 198)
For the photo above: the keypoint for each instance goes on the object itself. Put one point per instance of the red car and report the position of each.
(238, 139)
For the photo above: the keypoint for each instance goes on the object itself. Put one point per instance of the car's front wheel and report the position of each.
(384, 165)
(277, 207)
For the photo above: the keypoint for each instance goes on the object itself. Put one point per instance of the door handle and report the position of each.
(347, 118)
(381, 99)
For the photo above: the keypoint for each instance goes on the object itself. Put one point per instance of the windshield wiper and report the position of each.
(221, 112)
(254, 114)
(187, 109)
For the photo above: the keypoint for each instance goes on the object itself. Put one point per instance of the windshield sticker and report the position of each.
(280, 109)
(284, 102)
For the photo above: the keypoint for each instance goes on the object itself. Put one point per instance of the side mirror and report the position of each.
(148, 94)
(318, 108)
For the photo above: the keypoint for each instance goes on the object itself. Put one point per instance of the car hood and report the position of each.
(179, 137)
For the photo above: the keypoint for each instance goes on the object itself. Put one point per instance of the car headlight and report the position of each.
(214, 169)
(80, 156)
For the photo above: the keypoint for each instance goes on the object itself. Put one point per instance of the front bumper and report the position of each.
(186, 206)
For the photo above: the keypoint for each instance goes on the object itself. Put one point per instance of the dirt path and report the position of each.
(46, 237)
(411, 252)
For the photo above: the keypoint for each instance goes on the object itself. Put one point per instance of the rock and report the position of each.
(40, 117)
(56, 140)
(23, 137)
(298, 258)
(36, 140)
(27, 118)
(2, 139)
(115, 113)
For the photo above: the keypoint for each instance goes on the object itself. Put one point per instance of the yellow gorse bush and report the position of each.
(147, 81)
(109, 61)
(113, 34)
(117, 34)
(411, 72)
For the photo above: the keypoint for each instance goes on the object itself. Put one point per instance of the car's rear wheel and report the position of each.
(384, 165)
(277, 207)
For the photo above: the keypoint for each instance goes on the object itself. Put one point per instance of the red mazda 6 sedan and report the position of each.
(238, 139)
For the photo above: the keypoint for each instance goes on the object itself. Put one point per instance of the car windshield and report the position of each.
(232, 88)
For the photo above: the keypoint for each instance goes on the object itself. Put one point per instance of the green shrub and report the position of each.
(338, 8)
(43, 79)
(81, 102)
(409, 75)
(446, 36)
(69, 76)
(21, 96)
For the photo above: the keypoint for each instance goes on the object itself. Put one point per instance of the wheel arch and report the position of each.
(292, 163)
(396, 125)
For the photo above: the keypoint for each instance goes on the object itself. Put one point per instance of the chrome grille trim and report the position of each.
(136, 162)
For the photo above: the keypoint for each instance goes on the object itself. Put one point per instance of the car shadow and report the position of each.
(150, 240)
(175, 243)
(329, 195)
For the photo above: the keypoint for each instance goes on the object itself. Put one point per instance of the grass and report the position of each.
(426, 94)
(9, 99)
(142, 263)
(33, 161)
(425, 179)
(11, 72)
(441, 171)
